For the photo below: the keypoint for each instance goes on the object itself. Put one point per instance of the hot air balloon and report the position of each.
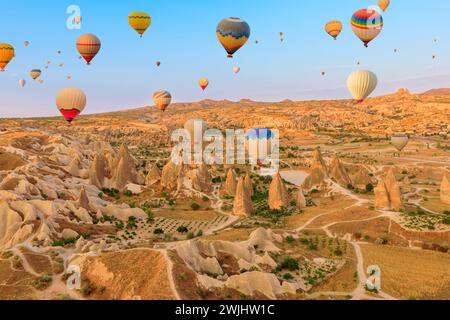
(7, 53)
(384, 4)
(367, 25)
(323, 73)
(35, 73)
(22, 83)
(59, 51)
(77, 19)
(191, 125)
(71, 102)
(46, 67)
(236, 70)
(69, 77)
(256, 140)
(61, 65)
(139, 21)
(400, 141)
(334, 28)
(158, 63)
(256, 41)
(26, 43)
(233, 33)
(162, 100)
(40, 81)
(203, 83)
(49, 62)
(361, 84)
(434, 57)
(88, 45)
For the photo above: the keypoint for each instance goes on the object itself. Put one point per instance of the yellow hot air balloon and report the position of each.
(139, 21)
(361, 84)
(384, 4)
(71, 102)
(162, 99)
(333, 28)
(35, 73)
(203, 83)
(7, 53)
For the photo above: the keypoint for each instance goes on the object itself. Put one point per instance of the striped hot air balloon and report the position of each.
(333, 28)
(70, 102)
(361, 84)
(139, 21)
(203, 83)
(35, 73)
(7, 53)
(367, 25)
(162, 99)
(88, 45)
(233, 33)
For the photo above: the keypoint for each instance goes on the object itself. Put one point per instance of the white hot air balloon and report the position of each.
(400, 141)
(361, 84)
(22, 83)
(236, 70)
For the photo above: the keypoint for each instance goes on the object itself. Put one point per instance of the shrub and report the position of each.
(290, 264)
(369, 187)
(290, 239)
(182, 229)
(199, 233)
(288, 276)
(190, 235)
(158, 231)
(128, 193)
(195, 206)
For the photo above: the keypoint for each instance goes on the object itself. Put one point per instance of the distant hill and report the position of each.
(441, 91)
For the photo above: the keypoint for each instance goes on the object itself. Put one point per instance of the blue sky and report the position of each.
(182, 36)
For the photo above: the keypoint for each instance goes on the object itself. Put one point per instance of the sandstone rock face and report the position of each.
(243, 205)
(314, 180)
(83, 200)
(445, 189)
(382, 196)
(124, 170)
(97, 171)
(68, 234)
(278, 194)
(301, 201)
(153, 176)
(200, 178)
(395, 195)
(230, 183)
(339, 173)
(169, 176)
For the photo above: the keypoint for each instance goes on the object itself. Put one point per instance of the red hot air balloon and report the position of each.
(88, 45)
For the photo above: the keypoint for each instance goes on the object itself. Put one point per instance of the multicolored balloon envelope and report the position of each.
(139, 21)
(257, 138)
(333, 28)
(367, 25)
(162, 99)
(88, 45)
(361, 84)
(203, 83)
(7, 53)
(35, 73)
(70, 102)
(233, 33)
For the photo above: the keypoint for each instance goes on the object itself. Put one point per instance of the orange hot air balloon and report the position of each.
(162, 100)
(35, 73)
(203, 83)
(88, 45)
(71, 102)
(26, 43)
(7, 53)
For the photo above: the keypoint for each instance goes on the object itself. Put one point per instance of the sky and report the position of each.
(182, 36)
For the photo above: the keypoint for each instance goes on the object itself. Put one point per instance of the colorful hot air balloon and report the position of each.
(162, 100)
(139, 21)
(361, 84)
(158, 63)
(236, 70)
(88, 45)
(22, 83)
(71, 102)
(7, 53)
(26, 43)
(384, 4)
(367, 25)
(203, 83)
(233, 33)
(400, 141)
(35, 73)
(334, 28)
(257, 138)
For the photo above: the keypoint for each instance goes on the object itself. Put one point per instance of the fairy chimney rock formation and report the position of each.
(278, 194)
(339, 173)
(318, 162)
(445, 189)
(230, 183)
(395, 195)
(83, 200)
(301, 201)
(381, 196)
(153, 176)
(169, 176)
(243, 205)
(362, 178)
(97, 171)
(124, 170)
(249, 184)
